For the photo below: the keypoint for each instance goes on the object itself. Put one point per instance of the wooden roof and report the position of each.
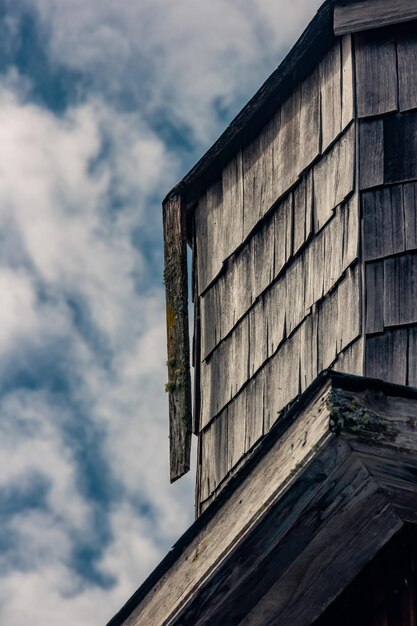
(351, 16)
(323, 493)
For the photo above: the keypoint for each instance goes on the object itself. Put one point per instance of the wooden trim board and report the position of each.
(369, 14)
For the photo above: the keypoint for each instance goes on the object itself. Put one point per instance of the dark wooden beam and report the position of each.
(179, 382)
(369, 14)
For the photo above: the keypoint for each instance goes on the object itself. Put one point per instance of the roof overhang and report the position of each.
(321, 495)
(335, 17)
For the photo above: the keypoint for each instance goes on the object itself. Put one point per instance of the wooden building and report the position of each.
(302, 219)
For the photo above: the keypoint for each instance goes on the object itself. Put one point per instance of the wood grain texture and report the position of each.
(351, 360)
(305, 487)
(376, 74)
(386, 356)
(369, 14)
(331, 95)
(400, 147)
(310, 122)
(232, 207)
(176, 292)
(412, 356)
(410, 215)
(374, 283)
(287, 144)
(347, 81)
(334, 178)
(371, 153)
(383, 223)
(407, 71)
(400, 290)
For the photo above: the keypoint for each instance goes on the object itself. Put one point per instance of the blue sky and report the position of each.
(104, 105)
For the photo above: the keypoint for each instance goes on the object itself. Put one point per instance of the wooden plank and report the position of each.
(262, 250)
(348, 113)
(295, 291)
(254, 395)
(376, 74)
(331, 95)
(258, 337)
(383, 223)
(220, 436)
(287, 144)
(400, 147)
(207, 471)
(236, 431)
(252, 184)
(374, 280)
(314, 268)
(275, 314)
(309, 350)
(351, 360)
(176, 293)
(303, 211)
(333, 250)
(412, 356)
(386, 356)
(327, 330)
(368, 14)
(334, 178)
(371, 153)
(410, 215)
(349, 308)
(310, 120)
(407, 70)
(351, 231)
(400, 290)
(232, 210)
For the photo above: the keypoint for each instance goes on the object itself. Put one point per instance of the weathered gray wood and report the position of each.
(295, 303)
(412, 356)
(236, 431)
(386, 356)
(349, 308)
(351, 360)
(253, 180)
(328, 330)
(410, 215)
(383, 223)
(284, 217)
(371, 157)
(232, 210)
(334, 178)
(400, 290)
(254, 395)
(374, 281)
(259, 325)
(303, 211)
(262, 250)
(400, 147)
(347, 81)
(314, 264)
(287, 144)
(307, 489)
(310, 122)
(407, 71)
(333, 251)
(351, 231)
(331, 95)
(179, 381)
(376, 74)
(309, 350)
(368, 14)
(275, 314)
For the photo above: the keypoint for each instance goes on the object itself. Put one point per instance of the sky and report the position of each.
(104, 106)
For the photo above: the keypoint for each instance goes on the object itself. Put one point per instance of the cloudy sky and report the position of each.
(104, 105)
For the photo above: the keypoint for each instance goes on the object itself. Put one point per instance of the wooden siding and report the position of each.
(304, 126)
(321, 271)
